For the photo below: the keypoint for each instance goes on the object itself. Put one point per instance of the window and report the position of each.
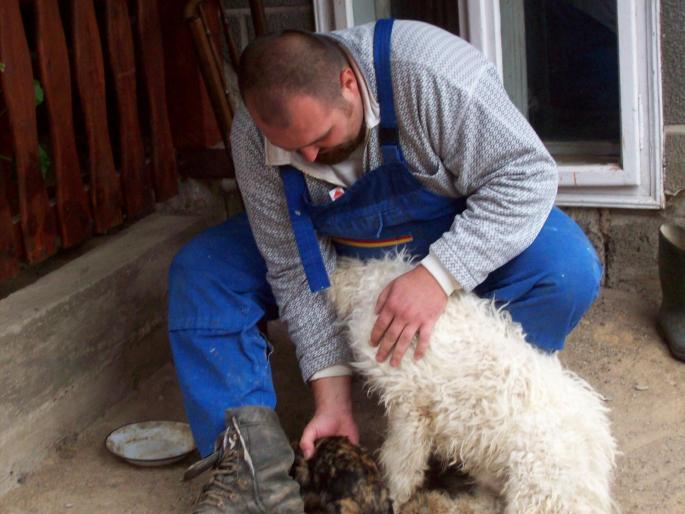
(586, 73)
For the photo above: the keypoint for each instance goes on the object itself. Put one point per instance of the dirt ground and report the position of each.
(616, 348)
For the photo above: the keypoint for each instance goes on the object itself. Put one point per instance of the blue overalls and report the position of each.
(218, 290)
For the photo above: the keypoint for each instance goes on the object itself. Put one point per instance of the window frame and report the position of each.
(639, 182)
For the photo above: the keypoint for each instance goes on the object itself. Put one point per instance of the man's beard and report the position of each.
(340, 153)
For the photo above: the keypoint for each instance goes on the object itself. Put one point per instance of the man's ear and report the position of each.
(348, 82)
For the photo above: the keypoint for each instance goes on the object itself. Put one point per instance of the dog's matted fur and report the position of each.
(484, 398)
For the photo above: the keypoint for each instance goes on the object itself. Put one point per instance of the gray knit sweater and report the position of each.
(460, 135)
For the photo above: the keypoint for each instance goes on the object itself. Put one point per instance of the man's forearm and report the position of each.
(333, 416)
(332, 393)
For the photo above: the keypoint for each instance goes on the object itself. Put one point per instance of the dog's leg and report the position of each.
(405, 453)
(530, 488)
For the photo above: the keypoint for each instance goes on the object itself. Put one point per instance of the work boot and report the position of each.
(251, 462)
(671, 317)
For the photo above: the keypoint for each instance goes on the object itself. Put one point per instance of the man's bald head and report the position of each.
(275, 67)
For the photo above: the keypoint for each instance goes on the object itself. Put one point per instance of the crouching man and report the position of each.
(386, 136)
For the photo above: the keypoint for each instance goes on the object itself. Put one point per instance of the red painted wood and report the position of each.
(164, 172)
(9, 262)
(37, 221)
(73, 205)
(191, 117)
(105, 187)
(6, 143)
(136, 184)
(205, 163)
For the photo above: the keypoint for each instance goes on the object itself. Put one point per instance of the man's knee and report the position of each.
(178, 266)
(209, 253)
(572, 286)
(201, 250)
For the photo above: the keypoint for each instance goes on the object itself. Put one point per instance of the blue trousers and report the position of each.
(218, 293)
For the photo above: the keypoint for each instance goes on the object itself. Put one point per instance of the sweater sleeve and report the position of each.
(498, 160)
(311, 321)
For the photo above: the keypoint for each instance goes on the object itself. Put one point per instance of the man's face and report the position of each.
(320, 132)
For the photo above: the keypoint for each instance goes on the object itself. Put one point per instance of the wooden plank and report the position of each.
(211, 66)
(11, 196)
(138, 196)
(73, 205)
(258, 17)
(38, 224)
(205, 163)
(164, 172)
(105, 188)
(9, 262)
(192, 120)
(231, 47)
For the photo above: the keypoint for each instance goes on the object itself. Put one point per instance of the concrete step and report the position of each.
(71, 343)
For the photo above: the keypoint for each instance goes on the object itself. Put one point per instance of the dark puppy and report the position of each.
(341, 478)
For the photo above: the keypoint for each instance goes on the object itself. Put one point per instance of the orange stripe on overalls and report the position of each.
(373, 243)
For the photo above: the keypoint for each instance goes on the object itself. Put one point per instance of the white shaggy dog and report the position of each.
(484, 398)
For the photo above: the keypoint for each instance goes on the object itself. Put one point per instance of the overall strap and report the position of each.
(389, 137)
(303, 229)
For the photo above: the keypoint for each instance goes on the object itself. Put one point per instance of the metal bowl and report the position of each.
(151, 443)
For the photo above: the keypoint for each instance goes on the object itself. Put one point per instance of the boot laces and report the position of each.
(218, 489)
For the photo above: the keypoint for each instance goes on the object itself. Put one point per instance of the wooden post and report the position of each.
(73, 205)
(9, 262)
(211, 66)
(37, 221)
(191, 116)
(135, 180)
(90, 78)
(258, 17)
(164, 172)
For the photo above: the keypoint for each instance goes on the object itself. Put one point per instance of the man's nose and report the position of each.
(309, 152)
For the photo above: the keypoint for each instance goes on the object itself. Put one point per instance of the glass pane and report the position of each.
(364, 11)
(561, 67)
(443, 13)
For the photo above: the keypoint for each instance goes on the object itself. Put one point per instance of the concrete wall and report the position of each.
(280, 14)
(673, 69)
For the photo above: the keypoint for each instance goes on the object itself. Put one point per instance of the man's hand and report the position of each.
(333, 415)
(411, 303)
